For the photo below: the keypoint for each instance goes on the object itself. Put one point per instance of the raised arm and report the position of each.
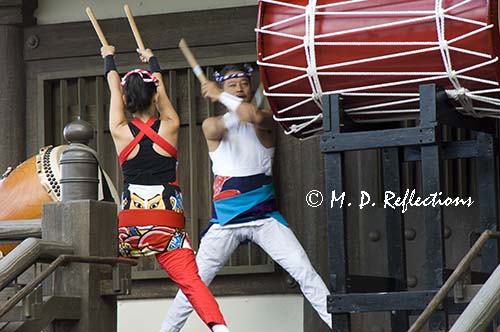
(117, 117)
(164, 106)
(246, 111)
(261, 118)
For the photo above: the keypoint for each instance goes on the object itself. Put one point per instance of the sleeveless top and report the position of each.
(149, 167)
(243, 185)
(240, 153)
(151, 219)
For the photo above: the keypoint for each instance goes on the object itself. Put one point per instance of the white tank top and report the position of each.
(240, 153)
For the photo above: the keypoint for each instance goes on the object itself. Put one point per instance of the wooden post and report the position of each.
(90, 227)
(78, 163)
(14, 17)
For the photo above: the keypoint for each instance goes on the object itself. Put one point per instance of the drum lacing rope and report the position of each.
(310, 72)
(439, 14)
(310, 51)
(460, 92)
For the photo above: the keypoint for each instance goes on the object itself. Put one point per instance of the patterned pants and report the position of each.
(277, 240)
(181, 266)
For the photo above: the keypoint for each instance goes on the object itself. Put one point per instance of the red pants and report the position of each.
(180, 264)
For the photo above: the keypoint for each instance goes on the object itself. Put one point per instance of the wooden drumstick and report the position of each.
(192, 61)
(135, 31)
(96, 26)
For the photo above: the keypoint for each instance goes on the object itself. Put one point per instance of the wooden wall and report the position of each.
(64, 81)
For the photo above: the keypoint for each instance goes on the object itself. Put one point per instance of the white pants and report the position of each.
(277, 240)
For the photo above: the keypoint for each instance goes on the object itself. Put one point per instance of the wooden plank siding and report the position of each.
(199, 28)
(64, 81)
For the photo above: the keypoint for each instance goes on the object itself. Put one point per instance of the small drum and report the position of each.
(34, 182)
(376, 53)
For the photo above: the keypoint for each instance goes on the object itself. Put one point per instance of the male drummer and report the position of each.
(241, 148)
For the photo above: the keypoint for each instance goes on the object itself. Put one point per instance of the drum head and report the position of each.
(29, 185)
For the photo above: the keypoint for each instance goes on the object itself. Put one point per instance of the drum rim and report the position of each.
(495, 42)
(46, 175)
(259, 44)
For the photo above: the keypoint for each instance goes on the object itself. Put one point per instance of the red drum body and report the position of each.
(376, 53)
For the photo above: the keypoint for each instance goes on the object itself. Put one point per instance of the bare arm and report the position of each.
(117, 117)
(164, 106)
(213, 130)
(261, 118)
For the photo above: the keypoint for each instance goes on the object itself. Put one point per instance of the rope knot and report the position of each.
(311, 71)
(452, 74)
(444, 45)
(461, 92)
(309, 8)
(440, 12)
(458, 94)
(317, 95)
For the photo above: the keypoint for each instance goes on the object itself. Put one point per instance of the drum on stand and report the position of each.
(376, 53)
(34, 182)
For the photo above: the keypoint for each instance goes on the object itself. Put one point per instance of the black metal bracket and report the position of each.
(420, 143)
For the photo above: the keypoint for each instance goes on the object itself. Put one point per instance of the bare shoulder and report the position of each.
(213, 127)
(120, 131)
(213, 130)
(169, 130)
(122, 136)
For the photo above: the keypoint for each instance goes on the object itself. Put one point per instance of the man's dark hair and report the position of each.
(138, 94)
(234, 67)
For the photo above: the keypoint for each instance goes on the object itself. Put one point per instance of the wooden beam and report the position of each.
(17, 12)
(222, 285)
(28, 252)
(193, 159)
(20, 229)
(12, 101)
(158, 31)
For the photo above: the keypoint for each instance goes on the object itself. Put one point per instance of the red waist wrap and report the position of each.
(145, 217)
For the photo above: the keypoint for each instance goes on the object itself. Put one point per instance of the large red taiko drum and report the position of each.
(376, 53)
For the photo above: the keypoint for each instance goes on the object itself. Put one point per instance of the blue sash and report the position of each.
(228, 209)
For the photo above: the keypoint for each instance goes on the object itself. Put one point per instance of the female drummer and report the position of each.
(151, 221)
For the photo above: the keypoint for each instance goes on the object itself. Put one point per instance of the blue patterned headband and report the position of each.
(219, 78)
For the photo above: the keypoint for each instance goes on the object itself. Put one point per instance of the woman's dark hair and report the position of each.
(138, 94)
